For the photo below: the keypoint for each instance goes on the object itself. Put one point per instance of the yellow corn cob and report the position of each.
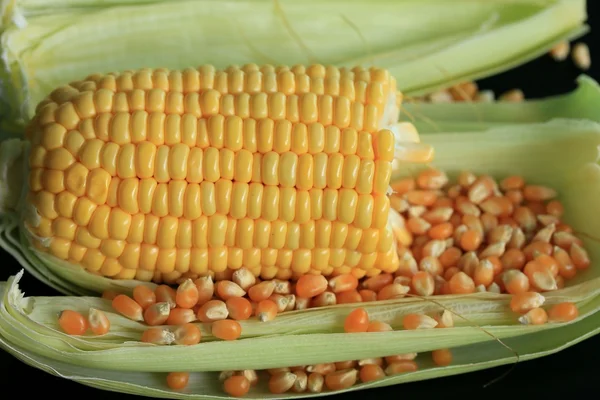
(159, 175)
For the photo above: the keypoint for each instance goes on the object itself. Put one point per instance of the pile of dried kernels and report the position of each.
(475, 235)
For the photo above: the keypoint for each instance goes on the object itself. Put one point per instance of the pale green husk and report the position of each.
(562, 153)
(582, 103)
(426, 44)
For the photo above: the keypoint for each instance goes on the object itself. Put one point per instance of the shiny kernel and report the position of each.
(264, 135)
(74, 140)
(52, 136)
(348, 141)
(223, 191)
(98, 182)
(98, 225)
(172, 129)
(195, 165)
(64, 204)
(178, 161)
(160, 200)
(119, 128)
(335, 166)
(118, 224)
(226, 167)
(347, 205)
(239, 200)
(210, 165)
(191, 200)
(381, 179)
(156, 128)
(64, 228)
(108, 157)
(67, 116)
(277, 106)
(282, 140)
(126, 162)
(207, 197)
(176, 195)
(288, 166)
(60, 158)
(138, 126)
(243, 166)
(53, 181)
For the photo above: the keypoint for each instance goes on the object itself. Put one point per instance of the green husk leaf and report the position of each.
(417, 40)
(581, 103)
(204, 385)
(125, 367)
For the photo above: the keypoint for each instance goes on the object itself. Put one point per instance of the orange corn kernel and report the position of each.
(227, 289)
(178, 380)
(226, 329)
(400, 367)
(563, 312)
(379, 326)
(187, 334)
(461, 283)
(206, 289)
(356, 321)
(266, 310)
(158, 335)
(423, 283)
(418, 321)
(213, 310)
(535, 316)
(157, 314)
(261, 291)
(348, 297)
(377, 282)
(180, 316)
(166, 294)
(128, 307)
(343, 283)
(524, 302)
(340, 380)
(144, 296)
(72, 322)
(311, 285)
(371, 372)
(470, 240)
(281, 382)
(98, 321)
(239, 308)
(442, 357)
(186, 295)
(236, 386)
(367, 295)
(515, 281)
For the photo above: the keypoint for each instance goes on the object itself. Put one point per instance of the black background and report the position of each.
(573, 371)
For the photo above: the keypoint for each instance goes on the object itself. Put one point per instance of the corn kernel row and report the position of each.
(357, 83)
(139, 109)
(191, 201)
(216, 131)
(172, 264)
(146, 166)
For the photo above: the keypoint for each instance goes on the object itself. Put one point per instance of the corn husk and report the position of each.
(561, 153)
(426, 44)
(469, 117)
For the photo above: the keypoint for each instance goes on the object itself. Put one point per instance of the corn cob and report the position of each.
(161, 175)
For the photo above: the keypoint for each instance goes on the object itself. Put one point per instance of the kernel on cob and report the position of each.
(159, 175)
